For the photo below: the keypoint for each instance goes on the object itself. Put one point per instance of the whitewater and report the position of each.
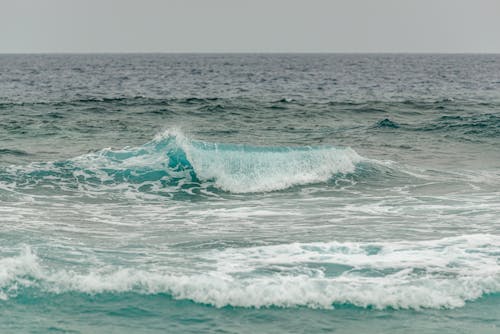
(302, 197)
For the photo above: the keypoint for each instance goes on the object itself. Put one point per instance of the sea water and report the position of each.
(250, 193)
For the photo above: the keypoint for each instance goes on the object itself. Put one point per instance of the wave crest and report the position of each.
(444, 273)
(242, 168)
(174, 160)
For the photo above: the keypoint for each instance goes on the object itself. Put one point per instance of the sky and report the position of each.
(436, 26)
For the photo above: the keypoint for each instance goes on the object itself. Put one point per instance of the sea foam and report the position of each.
(444, 273)
(172, 160)
(243, 168)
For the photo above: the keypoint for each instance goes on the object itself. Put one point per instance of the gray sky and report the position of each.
(250, 26)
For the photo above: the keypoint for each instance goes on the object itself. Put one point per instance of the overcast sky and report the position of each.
(249, 26)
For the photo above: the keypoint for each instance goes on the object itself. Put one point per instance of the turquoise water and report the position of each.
(250, 193)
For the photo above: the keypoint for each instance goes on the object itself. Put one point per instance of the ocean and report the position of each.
(249, 193)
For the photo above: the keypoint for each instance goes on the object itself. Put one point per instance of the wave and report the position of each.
(174, 160)
(443, 273)
(6, 151)
(481, 124)
(387, 123)
(137, 100)
(363, 106)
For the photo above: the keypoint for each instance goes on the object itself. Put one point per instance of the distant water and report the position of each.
(250, 193)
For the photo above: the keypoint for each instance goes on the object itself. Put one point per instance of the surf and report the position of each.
(172, 159)
(441, 273)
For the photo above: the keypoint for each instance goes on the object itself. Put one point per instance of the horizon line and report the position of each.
(249, 53)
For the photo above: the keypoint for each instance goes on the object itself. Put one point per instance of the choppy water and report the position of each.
(250, 193)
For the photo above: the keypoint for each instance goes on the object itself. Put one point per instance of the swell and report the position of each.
(172, 160)
(6, 151)
(119, 101)
(483, 125)
(360, 106)
(470, 118)
(443, 273)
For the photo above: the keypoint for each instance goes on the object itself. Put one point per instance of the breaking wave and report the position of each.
(174, 160)
(443, 273)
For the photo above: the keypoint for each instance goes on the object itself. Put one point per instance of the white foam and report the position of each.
(241, 169)
(13, 271)
(233, 168)
(443, 273)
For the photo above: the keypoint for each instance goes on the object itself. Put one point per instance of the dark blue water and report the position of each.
(250, 193)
